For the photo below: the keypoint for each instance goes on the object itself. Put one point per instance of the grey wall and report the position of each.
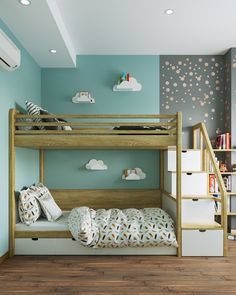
(195, 86)
(230, 119)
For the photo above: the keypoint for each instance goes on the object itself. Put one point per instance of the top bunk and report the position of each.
(51, 131)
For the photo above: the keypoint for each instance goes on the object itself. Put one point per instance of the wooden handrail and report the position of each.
(100, 116)
(205, 138)
(99, 124)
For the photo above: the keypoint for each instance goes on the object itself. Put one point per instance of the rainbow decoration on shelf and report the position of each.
(127, 83)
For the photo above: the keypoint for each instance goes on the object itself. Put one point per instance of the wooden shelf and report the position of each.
(224, 150)
(231, 213)
(229, 173)
(227, 193)
(224, 173)
(213, 225)
(228, 214)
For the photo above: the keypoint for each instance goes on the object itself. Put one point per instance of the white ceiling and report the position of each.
(120, 27)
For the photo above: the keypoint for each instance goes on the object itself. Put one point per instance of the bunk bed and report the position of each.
(94, 132)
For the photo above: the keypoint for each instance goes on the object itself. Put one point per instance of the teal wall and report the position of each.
(98, 74)
(15, 87)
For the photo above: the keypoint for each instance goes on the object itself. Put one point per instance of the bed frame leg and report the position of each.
(178, 181)
(12, 205)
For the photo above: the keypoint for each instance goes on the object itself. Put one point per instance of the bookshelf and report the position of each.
(231, 194)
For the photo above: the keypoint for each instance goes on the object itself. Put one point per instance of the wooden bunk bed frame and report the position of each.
(96, 132)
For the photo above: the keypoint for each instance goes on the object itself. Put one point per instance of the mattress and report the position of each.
(42, 224)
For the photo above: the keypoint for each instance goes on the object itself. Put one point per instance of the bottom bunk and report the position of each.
(84, 231)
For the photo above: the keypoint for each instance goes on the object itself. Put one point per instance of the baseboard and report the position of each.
(4, 257)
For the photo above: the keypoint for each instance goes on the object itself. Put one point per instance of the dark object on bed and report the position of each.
(25, 120)
(50, 120)
(140, 128)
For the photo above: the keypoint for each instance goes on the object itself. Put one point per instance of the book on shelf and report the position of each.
(228, 182)
(218, 205)
(211, 169)
(213, 184)
(223, 141)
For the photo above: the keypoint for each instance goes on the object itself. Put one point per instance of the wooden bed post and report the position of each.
(12, 205)
(178, 181)
(161, 174)
(41, 165)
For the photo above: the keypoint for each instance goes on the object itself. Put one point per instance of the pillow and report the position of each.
(28, 207)
(48, 205)
(33, 109)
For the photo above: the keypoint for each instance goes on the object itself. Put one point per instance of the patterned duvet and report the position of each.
(115, 228)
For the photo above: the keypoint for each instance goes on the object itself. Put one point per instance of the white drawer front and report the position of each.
(193, 184)
(191, 160)
(198, 211)
(61, 246)
(202, 243)
(34, 247)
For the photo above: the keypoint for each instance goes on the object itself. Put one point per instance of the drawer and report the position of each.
(192, 183)
(34, 246)
(63, 246)
(202, 242)
(191, 160)
(198, 211)
(47, 246)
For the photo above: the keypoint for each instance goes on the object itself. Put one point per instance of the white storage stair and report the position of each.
(201, 235)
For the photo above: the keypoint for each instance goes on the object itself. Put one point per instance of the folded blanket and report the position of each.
(122, 228)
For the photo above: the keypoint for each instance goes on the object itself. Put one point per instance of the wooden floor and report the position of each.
(119, 275)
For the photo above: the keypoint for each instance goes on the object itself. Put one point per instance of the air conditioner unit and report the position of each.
(9, 54)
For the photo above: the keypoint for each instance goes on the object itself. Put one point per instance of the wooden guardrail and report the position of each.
(202, 140)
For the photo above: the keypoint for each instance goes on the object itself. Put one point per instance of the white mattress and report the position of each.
(42, 224)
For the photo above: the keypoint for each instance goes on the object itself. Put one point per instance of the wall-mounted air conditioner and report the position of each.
(9, 54)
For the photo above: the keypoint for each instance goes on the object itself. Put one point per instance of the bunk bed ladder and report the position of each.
(201, 141)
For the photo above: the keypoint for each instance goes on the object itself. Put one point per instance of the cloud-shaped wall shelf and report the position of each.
(81, 97)
(131, 85)
(134, 174)
(96, 165)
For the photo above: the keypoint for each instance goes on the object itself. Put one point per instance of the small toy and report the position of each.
(223, 167)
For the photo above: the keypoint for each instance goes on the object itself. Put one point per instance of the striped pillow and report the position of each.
(33, 109)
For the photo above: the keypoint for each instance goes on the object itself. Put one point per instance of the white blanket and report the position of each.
(122, 228)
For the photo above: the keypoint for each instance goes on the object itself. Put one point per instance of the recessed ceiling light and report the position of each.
(169, 11)
(53, 51)
(25, 2)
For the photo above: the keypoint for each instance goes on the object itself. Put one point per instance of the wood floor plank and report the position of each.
(123, 275)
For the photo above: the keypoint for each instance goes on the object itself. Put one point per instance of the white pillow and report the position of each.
(28, 207)
(48, 204)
